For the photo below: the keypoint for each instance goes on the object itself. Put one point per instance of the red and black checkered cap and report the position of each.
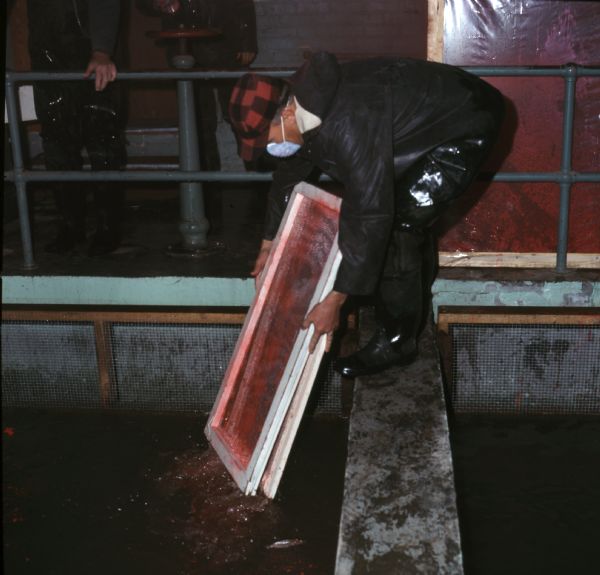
(252, 106)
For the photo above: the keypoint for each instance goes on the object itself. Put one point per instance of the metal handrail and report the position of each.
(566, 177)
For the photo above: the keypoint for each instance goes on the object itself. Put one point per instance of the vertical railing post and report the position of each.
(193, 224)
(565, 168)
(19, 179)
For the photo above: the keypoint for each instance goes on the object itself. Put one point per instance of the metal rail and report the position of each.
(21, 176)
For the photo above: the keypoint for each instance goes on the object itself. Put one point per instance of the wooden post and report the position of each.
(105, 362)
(435, 30)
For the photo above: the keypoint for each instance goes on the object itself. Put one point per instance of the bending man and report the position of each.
(405, 138)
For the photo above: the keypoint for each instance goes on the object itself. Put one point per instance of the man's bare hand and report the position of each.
(261, 260)
(245, 58)
(103, 67)
(325, 317)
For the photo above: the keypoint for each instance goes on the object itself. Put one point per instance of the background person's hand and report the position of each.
(245, 58)
(103, 67)
(325, 317)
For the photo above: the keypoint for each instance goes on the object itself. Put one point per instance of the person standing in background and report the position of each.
(80, 35)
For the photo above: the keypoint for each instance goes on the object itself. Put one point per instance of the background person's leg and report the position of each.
(105, 144)
(56, 106)
(210, 158)
(57, 43)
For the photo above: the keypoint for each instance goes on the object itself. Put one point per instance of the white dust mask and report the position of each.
(283, 149)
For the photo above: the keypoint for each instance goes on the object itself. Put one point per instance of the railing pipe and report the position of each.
(569, 70)
(151, 173)
(565, 178)
(193, 224)
(284, 72)
(157, 75)
(19, 181)
(565, 167)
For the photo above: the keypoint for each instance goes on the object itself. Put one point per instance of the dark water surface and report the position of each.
(528, 494)
(88, 493)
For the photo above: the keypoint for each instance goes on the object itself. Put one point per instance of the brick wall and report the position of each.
(288, 28)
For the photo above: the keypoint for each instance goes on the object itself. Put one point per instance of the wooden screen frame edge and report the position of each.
(273, 472)
(304, 365)
(239, 471)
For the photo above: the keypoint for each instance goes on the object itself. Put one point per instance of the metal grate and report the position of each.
(170, 367)
(149, 366)
(49, 365)
(525, 369)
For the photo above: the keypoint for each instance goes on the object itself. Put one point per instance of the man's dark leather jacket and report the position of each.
(378, 118)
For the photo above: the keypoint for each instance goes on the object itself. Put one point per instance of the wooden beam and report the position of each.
(516, 260)
(105, 363)
(142, 315)
(435, 30)
(498, 315)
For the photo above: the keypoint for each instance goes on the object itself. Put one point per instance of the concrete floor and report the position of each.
(399, 512)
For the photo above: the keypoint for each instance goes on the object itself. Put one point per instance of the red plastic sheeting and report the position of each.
(523, 217)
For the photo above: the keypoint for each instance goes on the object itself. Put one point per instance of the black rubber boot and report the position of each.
(378, 355)
(71, 205)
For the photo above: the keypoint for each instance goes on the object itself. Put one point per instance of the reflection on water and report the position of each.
(528, 494)
(113, 493)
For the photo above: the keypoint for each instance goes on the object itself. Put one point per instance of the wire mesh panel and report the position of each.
(526, 369)
(149, 366)
(170, 367)
(49, 365)
(327, 391)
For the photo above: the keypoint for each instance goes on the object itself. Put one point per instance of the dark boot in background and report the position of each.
(109, 208)
(71, 205)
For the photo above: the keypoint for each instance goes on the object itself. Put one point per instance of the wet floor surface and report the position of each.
(150, 225)
(120, 493)
(528, 494)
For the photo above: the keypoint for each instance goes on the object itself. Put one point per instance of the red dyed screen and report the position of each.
(307, 248)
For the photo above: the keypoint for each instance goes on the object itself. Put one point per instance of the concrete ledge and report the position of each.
(142, 291)
(399, 512)
(518, 289)
(532, 288)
